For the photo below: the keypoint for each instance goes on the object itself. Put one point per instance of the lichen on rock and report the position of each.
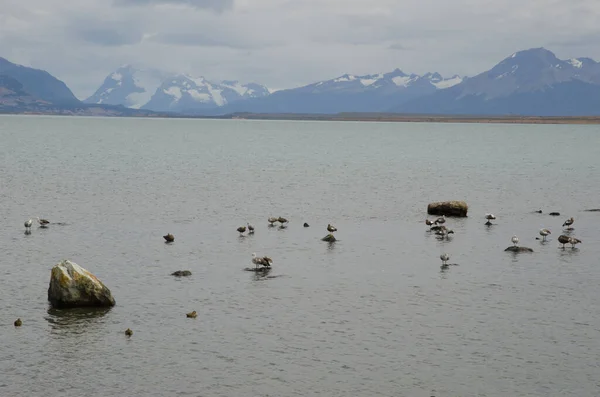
(73, 286)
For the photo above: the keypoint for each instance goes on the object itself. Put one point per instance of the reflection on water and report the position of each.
(75, 320)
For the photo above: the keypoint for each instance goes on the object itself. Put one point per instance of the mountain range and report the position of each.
(529, 82)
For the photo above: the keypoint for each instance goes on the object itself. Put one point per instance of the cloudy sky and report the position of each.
(287, 43)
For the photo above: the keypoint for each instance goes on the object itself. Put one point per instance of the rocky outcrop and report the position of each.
(448, 208)
(73, 286)
(518, 249)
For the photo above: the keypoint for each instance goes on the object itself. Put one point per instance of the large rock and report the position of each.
(448, 208)
(73, 286)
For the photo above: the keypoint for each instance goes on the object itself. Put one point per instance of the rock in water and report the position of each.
(512, 248)
(329, 238)
(181, 273)
(73, 286)
(448, 208)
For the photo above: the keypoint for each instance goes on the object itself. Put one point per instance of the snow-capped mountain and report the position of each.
(527, 82)
(128, 86)
(159, 91)
(183, 93)
(348, 93)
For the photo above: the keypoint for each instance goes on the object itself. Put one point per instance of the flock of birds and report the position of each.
(264, 263)
(442, 231)
(261, 263)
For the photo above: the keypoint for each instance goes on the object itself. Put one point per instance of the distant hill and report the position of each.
(39, 83)
(530, 82)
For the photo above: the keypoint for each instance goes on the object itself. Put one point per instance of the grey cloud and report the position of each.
(209, 40)
(109, 37)
(215, 5)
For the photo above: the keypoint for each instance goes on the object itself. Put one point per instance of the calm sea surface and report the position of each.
(371, 315)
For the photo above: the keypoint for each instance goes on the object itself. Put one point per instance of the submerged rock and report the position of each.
(593, 210)
(554, 214)
(306, 224)
(330, 238)
(448, 208)
(73, 286)
(512, 248)
(181, 273)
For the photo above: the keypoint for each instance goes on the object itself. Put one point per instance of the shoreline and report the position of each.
(352, 117)
(587, 120)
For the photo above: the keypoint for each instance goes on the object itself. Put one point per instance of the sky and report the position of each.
(287, 43)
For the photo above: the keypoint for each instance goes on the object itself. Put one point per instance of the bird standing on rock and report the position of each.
(330, 228)
(515, 240)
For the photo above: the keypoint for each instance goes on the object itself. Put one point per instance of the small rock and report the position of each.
(306, 224)
(169, 238)
(181, 273)
(330, 238)
(128, 332)
(554, 214)
(512, 248)
(448, 208)
(73, 286)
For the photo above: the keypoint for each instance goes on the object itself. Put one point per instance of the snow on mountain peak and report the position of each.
(576, 63)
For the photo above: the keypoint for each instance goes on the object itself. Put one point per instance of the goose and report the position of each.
(42, 222)
(489, 218)
(440, 220)
(250, 228)
(272, 220)
(241, 229)
(330, 228)
(282, 220)
(544, 232)
(128, 332)
(569, 222)
(515, 240)
(192, 314)
(429, 223)
(563, 240)
(28, 223)
(18, 322)
(573, 241)
(169, 238)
